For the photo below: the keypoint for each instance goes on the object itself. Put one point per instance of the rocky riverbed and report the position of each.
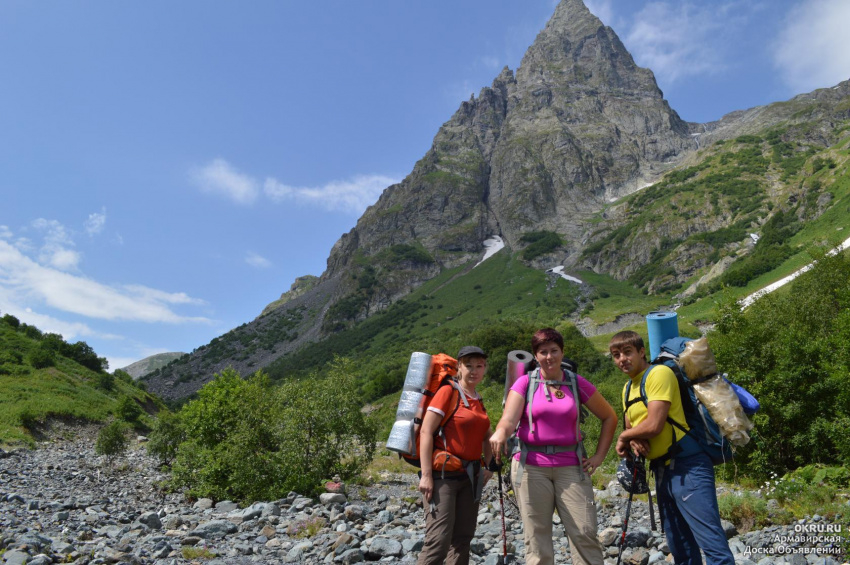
(60, 503)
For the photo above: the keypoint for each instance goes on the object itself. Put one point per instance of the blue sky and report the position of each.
(168, 168)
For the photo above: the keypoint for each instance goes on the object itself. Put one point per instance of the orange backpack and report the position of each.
(443, 371)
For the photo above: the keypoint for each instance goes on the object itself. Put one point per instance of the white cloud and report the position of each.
(220, 178)
(352, 196)
(59, 258)
(95, 222)
(258, 261)
(54, 232)
(55, 251)
(675, 39)
(154, 295)
(811, 50)
(24, 281)
(5, 232)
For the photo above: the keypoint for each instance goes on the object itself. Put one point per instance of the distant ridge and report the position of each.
(150, 364)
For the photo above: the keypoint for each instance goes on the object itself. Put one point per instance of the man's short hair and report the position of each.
(625, 338)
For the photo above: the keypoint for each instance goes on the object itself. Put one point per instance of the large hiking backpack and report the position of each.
(570, 381)
(702, 426)
(443, 371)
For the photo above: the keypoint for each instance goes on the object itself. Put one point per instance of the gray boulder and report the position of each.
(383, 547)
(15, 557)
(329, 498)
(214, 529)
(151, 520)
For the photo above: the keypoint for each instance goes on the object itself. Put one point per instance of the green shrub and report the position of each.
(193, 553)
(402, 252)
(105, 381)
(41, 358)
(306, 528)
(82, 353)
(246, 440)
(167, 435)
(540, 243)
(128, 410)
(11, 321)
(112, 440)
(123, 376)
(746, 511)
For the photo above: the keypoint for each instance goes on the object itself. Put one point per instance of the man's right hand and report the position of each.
(639, 446)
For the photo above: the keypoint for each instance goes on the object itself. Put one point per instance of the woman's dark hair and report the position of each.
(542, 336)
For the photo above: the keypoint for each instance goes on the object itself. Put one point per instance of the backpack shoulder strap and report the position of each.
(573, 379)
(673, 423)
(533, 383)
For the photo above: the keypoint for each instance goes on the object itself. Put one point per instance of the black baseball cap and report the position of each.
(471, 350)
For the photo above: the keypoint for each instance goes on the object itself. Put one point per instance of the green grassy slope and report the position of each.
(30, 395)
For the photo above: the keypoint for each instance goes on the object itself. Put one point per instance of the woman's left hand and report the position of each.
(591, 464)
(487, 475)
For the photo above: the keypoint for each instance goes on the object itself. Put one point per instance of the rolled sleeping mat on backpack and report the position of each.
(418, 370)
(408, 404)
(660, 326)
(401, 437)
(518, 362)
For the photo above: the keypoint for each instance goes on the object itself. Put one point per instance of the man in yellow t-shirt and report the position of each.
(684, 476)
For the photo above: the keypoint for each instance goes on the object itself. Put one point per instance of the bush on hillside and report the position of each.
(112, 440)
(82, 353)
(167, 435)
(790, 349)
(41, 358)
(123, 376)
(11, 321)
(540, 243)
(247, 440)
(128, 410)
(105, 381)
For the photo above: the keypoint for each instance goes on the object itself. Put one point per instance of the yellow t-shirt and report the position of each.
(661, 384)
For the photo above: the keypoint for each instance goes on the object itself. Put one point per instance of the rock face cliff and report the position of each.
(543, 149)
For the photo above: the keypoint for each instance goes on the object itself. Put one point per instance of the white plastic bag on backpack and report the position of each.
(716, 395)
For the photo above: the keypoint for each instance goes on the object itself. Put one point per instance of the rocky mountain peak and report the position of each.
(576, 47)
(543, 149)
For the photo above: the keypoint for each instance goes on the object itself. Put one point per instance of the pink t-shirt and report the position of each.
(554, 422)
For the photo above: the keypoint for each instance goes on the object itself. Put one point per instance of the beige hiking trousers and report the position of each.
(546, 489)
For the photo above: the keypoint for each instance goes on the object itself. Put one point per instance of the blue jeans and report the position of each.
(688, 503)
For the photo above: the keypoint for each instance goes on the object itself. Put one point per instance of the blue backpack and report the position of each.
(702, 426)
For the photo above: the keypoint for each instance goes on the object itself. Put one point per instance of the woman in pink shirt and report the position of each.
(550, 471)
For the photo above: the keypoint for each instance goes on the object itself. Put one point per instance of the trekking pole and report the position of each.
(502, 507)
(628, 511)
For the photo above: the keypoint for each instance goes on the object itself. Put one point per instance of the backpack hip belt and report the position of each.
(524, 448)
(473, 473)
